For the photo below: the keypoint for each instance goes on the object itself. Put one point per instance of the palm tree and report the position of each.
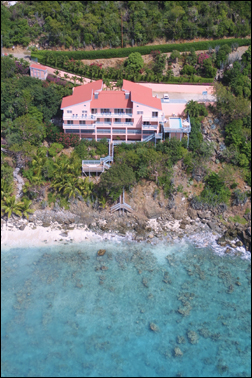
(10, 207)
(86, 187)
(26, 208)
(38, 163)
(66, 76)
(71, 188)
(102, 202)
(6, 189)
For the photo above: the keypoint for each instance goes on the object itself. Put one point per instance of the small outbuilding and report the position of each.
(38, 71)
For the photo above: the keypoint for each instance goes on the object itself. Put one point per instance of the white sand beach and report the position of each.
(12, 237)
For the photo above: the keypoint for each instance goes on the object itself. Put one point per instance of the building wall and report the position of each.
(40, 74)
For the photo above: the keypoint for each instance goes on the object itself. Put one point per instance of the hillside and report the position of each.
(90, 24)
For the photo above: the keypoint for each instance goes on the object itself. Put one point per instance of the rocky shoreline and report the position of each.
(172, 225)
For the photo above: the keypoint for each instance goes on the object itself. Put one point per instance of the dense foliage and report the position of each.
(82, 23)
(42, 55)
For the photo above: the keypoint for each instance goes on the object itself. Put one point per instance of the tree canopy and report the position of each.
(98, 23)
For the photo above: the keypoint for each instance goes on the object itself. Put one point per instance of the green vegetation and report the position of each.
(78, 24)
(214, 193)
(237, 219)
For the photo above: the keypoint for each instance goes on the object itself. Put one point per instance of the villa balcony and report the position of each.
(114, 115)
(153, 119)
(82, 117)
(150, 127)
(79, 127)
(123, 123)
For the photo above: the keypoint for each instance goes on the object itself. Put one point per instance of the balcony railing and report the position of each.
(74, 127)
(99, 123)
(79, 117)
(178, 130)
(112, 114)
(124, 123)
(154, 119)
(150, 127)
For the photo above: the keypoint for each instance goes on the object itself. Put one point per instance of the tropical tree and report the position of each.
(6, 189)
(10, 207)
(26, 203)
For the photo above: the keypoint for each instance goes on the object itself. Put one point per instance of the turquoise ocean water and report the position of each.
(67, 312)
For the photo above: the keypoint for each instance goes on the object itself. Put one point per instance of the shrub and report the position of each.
(68, 140)
(188, 70)
(202, 57)
(55, 148)
(143, 50)
(239, 197)
(234, 185)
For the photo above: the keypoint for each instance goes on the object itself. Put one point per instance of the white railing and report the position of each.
(150, 127)
(81, 127)
(79, 117)
(178, 130)
(154, 119)
(123, 123)
(111, 114)
(148, 138)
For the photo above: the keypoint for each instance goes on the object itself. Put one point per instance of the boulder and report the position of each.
(178, 352)
(46, 224)
(192, 213)
(22, 227)
(192, 337)
(154, 327)
(178, 215)
(101, 252)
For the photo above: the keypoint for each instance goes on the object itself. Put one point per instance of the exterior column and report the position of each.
(126, 136)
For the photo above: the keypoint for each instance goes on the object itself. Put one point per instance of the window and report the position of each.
(103, 131)
(154, 114)
(139, 112)
(83, 111)
(134, 131)
(119, 131)
(72, 131)
(106, 111)
(93, 111)
(128, 120)
(148, 132)
(82, 122)
(126, 96)
(128, 111)
(117, 120)
(70, 122)
(96, 96)
(118, 111)
(107, 120)
(146, 123)
(69, 111)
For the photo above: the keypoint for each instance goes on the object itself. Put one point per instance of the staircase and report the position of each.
(121, 205)
(99, 165)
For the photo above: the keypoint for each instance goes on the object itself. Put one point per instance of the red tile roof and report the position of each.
(141, 94)
(38, 66)
(111, 99)
(82, 93)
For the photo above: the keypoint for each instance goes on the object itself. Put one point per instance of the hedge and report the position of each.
(143, 50)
